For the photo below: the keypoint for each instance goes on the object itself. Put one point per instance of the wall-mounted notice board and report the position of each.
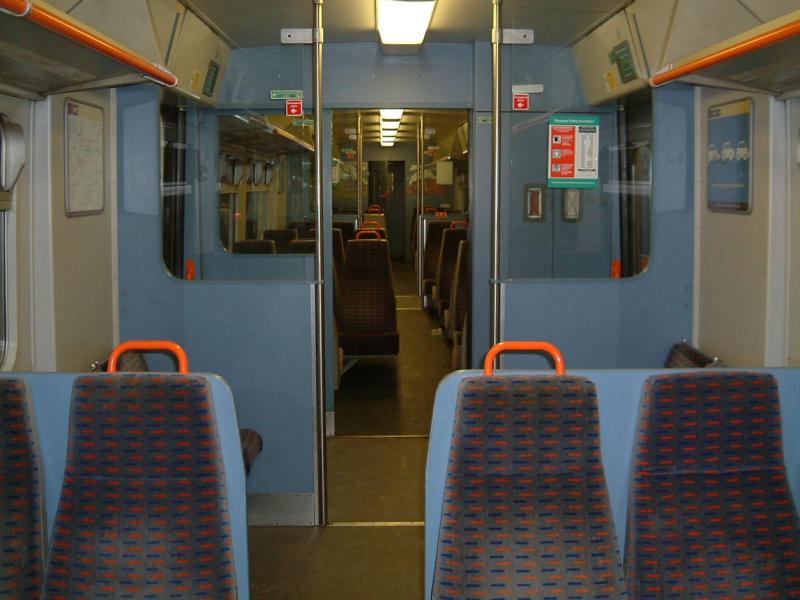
(84, 158)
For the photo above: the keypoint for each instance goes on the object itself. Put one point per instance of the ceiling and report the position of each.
(249, 23)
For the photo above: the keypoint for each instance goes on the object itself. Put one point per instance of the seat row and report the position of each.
(146, 496)
(526, 513)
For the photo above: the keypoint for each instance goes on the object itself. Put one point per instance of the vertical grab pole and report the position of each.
(319, 272)
(496, 114)
(420, 224)
(359, 168)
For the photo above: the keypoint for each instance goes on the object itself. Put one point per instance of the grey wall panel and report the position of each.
(256, 335)
(82, 254)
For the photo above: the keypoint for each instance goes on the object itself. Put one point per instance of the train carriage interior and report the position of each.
(400, 299)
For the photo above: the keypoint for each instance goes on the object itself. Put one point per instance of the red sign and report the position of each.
(522, 102)
(562, 151)
(294, 108)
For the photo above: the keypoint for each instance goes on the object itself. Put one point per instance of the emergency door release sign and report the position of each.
(573, 150)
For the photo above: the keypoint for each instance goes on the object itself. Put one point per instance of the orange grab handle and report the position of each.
(555, 353)
(17, 8)
(73, 31)
(149, 345)
(372, 225)
(755, 43)
(368, 234)
(464, 223)
(191, 270)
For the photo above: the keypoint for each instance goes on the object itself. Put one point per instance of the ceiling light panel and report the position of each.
(403, 22)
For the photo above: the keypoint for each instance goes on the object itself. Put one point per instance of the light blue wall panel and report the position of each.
(361, 76)
(618, 394)
(234, 329)
(626, 323)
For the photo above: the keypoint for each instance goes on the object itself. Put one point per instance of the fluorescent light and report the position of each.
(390, 125)
(387, 144)
(403, 22)
(392, 114)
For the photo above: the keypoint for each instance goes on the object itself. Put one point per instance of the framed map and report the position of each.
(84, 158)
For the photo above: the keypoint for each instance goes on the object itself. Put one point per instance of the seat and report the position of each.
(526, 511)
(338, 251)
(21, 518)
(685, 356)
(430, 256)
(304, 246)
(445, 269)
(367, 310)
(255, 247)
(710, 512)
(143, 511)
(348, 229)
(303, 228)
(281, 237)
(460, 296)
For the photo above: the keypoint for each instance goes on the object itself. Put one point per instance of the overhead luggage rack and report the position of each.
(69, 55)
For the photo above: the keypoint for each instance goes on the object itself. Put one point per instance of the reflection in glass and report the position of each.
(265, 180)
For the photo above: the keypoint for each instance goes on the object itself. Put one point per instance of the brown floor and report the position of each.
(376, 478)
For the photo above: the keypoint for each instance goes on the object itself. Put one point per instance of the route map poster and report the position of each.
(573, 151)
(728, 157)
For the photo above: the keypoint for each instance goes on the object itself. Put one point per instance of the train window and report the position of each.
(265, 181)
(595, 232)
(173, 186)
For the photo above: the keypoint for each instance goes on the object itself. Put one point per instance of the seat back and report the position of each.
(460, 293)
(143, 510)
(348, 229)
(367, 309)
(710, 512)
(526, 511)
(255, 247)
(433, 247)
(305, 246)
(446, 266)
(21, 531)
(281, 237)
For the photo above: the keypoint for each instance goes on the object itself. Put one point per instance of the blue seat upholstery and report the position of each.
(21, 532)
(143, 511)
(710, 511)
(526, 511)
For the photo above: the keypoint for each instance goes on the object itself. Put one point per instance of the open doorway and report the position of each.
(395, 172)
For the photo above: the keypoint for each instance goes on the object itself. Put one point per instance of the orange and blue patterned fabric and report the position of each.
(710, 511)
(21, 534)
(526, 512)
(143, 511)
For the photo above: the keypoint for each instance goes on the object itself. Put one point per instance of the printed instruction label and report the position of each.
(573, 151)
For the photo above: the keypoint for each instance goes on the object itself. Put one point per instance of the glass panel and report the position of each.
(578, 228)
(265, 182)
(173, 186)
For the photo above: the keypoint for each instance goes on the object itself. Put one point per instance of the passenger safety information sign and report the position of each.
(573, 151)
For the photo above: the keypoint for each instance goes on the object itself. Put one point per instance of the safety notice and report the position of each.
(573, 151)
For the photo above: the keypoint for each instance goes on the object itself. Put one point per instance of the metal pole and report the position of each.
(319, 271)
(496, 307)
(420, 203)
(359, 168)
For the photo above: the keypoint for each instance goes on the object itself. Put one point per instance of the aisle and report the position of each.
(374, 547)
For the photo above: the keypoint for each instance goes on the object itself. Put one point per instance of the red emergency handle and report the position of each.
(149, 346)
(546, 347)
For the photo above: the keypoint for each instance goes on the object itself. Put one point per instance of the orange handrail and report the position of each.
(464, 223)
(73, 31)
(555, 353)
(17, 8)
(367, 233)
(149, 345)
(755, 43)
